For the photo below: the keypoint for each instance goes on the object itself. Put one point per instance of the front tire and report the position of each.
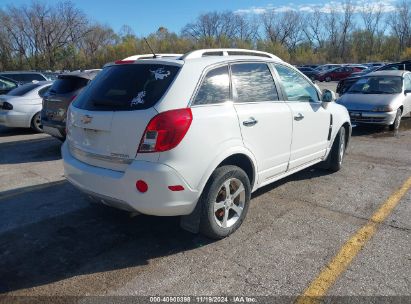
(224, 202)
(397, 121)
(337, 151)
(328, 79)
(36, 123)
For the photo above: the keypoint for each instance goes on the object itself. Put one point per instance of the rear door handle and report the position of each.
(299, 116)
(251, 122)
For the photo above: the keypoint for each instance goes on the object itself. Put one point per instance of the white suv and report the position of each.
(196, 135)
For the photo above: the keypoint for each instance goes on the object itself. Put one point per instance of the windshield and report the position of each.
(377, 85)
(127, 87)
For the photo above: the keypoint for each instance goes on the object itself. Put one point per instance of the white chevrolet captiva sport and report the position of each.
(195, 135)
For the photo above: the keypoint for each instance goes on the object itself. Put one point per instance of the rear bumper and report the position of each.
(118, 189)
(14, 119)
(376, 118)
(54, 129)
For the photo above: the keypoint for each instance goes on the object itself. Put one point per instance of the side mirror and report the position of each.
(328, 96)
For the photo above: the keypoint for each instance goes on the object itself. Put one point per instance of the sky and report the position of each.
(146, 16)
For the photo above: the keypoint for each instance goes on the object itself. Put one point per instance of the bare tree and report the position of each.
(284, 28)
(400, 23)
(371, 15)
(314, 28)
(347, 24)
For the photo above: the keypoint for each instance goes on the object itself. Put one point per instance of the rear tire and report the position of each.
(36, 123)
(337, 152)
(223, 212)
(397, 121)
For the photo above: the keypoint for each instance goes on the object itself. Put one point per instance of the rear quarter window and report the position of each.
(215, 87)
(127, 87)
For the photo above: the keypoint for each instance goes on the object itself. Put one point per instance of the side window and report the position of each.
(43, 91)
(296, 87)
(215, 87)
(407, 82)
(253, 82)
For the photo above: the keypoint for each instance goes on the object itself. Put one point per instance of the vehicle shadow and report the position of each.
(52, 233)
(381, 131)
(4, 131)
(306, 174)
(30, 150)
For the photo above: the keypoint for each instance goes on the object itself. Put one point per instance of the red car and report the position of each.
(338, 73)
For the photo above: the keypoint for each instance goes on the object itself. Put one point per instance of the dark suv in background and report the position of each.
(55, 103)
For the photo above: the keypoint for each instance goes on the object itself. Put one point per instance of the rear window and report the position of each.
(23, 90)
(68, 84)
(25, 77)
(127, 87)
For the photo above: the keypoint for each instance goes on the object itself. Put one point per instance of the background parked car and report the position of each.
(21, 107)
(309, 72)
(56, 101)
(327, 67)
(337, 73)
(401, 66)
(364, 71)
(7, 84)
(381, 97)
(24, 77)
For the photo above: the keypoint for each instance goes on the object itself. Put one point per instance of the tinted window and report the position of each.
(68, 84)
(27, 77)
(22, 90)
(296, 87)
(253, 82)
(127, 87)
(44, 91)
(215, 87)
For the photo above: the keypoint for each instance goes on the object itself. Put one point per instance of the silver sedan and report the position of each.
(20, 108)
(381, 97)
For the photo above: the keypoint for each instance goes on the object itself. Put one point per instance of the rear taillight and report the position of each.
(165, 131)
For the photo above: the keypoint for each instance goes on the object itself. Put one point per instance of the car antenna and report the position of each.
(154, 54)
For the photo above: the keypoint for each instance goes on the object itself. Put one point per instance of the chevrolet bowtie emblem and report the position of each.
(86, 119)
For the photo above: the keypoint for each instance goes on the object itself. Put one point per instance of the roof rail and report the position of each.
(151, 56)
(227, 52)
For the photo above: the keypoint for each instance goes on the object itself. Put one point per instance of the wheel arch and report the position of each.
(238, 156)
(242, 161)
